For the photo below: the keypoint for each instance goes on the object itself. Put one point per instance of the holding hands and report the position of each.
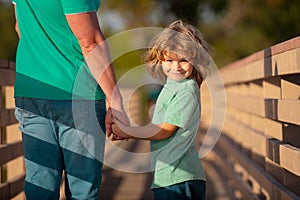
(113, 119)
(118, 129)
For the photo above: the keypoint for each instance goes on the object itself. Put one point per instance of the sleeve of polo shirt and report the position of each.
(181, 109)
(78, 6)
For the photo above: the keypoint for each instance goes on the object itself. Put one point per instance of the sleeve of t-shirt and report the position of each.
(181, 109)
(14, 1)
(78, 6)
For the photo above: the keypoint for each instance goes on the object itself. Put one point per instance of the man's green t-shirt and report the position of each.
(175, 160)
(50, 63)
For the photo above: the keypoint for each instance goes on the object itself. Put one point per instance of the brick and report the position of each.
(290, 158)
(274, 129)
(290, 87)
(272, 88)
(289, 111)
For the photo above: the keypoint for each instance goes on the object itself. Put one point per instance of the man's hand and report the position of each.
(108, 122)
(118, 131)
(110, 118)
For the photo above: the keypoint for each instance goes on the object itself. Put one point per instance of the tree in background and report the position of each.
(234, 28)
(238, 28)
(8, 36)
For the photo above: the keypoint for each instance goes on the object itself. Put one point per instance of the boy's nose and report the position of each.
(176, 66)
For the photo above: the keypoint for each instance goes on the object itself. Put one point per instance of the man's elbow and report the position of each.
(87, 46)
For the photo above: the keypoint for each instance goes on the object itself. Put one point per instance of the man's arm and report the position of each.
(16, 24)
(85, 27)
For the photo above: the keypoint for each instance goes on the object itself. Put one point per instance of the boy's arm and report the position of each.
(150, 132)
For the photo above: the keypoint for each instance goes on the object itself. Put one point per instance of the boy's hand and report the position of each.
(117, 130)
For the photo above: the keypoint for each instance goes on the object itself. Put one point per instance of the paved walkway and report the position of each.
(120, 185)
(125, 186)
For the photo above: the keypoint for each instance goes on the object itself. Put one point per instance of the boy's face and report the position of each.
(176, 68)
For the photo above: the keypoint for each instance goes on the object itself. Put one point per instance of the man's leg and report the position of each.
(41, 151)
(82, 145)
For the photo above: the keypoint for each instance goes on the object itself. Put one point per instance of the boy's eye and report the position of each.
(183, 60)
(169, 60)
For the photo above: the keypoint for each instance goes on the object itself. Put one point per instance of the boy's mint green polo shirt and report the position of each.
(175, 160)
(50, 64)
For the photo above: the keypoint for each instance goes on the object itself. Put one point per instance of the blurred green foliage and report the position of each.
(244, 27)
(234, 28)
(8, 36)
(128, 61)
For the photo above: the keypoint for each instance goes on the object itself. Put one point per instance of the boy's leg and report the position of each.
(189, 190)
(195, 189)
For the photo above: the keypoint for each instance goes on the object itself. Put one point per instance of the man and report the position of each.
(64, 78)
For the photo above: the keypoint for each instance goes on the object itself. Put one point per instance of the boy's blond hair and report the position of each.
(184, 40)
